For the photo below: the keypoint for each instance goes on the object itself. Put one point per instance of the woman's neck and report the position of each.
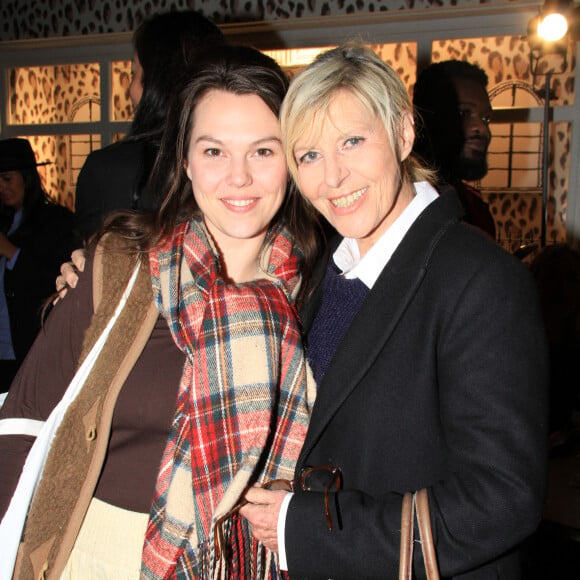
(240, 258)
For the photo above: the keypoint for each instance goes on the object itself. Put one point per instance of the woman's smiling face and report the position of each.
(236, 165)
(349, 172)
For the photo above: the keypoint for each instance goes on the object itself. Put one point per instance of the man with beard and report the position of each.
(454, 112)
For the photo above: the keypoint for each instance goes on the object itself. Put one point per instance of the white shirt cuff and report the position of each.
(280, 531)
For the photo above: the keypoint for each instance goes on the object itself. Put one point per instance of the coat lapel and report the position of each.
(373, 325)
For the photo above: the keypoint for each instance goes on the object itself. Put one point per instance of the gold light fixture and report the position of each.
(552, 27)
(548, 35)
(553, 20)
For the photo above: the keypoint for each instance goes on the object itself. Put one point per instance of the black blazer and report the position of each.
(440, 382)
(112, 178)
(45, 240)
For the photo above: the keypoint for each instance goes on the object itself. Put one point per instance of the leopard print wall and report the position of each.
(44, 18)
(53, 94)
(121, 107)
(65, 94)
(57, 94)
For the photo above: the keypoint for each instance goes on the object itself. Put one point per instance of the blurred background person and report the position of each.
(554, 551)
(36, 235)
(556, 270)
(115, 177)
(453, 135)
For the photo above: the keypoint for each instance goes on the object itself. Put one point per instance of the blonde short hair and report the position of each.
(357, 69)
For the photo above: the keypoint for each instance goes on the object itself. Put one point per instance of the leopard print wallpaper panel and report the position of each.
(45, 18)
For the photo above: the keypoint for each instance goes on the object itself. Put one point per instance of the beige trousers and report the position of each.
(109, 544)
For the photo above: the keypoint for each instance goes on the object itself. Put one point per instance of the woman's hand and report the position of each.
(262, 511)
(69, 273)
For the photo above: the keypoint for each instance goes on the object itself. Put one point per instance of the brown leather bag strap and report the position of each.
(418, 503)
(427, 545)
(407, 528)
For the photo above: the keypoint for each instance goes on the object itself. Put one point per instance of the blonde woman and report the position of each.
(427, 345)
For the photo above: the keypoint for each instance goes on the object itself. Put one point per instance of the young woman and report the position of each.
(135, 481)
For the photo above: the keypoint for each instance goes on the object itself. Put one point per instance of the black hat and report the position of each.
(17, 154)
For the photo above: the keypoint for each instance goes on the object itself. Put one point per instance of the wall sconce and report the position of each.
(548, 35)
(553, 20)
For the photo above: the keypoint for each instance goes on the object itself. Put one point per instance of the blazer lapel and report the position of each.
(373, 325)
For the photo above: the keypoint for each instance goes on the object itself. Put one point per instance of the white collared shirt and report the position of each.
(367, 270)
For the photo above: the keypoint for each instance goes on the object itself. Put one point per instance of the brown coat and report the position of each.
(84, 432)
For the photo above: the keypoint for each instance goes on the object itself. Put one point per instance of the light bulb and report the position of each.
(552, 27)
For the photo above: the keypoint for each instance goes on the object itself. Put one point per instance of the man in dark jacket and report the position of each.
(453, 134)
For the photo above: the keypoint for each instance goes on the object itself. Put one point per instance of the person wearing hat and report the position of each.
(36, 236)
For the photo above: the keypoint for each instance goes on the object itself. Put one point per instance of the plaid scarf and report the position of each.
(242, 411)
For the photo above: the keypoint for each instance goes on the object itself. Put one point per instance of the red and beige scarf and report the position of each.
(243, 404)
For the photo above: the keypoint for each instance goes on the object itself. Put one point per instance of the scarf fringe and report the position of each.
(242, 557)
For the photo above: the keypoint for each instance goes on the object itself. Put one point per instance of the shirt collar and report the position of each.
(368, 269)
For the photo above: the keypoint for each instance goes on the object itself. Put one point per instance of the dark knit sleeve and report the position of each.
(43, 378)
